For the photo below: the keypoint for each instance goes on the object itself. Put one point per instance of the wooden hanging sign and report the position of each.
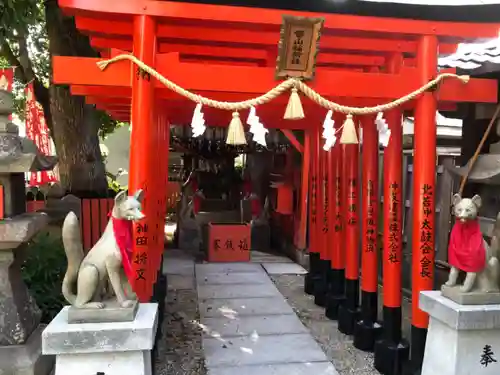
(298, 47)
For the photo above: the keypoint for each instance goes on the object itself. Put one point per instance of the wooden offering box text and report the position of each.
(229, 242)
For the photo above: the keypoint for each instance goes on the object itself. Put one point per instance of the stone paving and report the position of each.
(222, 318)
(248, 327)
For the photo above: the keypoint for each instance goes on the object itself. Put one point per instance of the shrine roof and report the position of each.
(475, 58)
(244, 40)
(264, 20)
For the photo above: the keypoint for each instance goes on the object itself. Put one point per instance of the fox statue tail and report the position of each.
(73, 248)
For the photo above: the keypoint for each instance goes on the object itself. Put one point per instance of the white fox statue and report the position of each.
(469, 252)
(107, 261)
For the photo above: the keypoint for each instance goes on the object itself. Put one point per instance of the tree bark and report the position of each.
(74, 124)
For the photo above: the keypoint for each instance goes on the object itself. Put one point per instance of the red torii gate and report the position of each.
(228, 53)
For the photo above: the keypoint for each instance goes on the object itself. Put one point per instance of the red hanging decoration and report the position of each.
(38, 132)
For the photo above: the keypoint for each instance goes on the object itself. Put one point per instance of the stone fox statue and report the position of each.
(469, 252)
(107, 261)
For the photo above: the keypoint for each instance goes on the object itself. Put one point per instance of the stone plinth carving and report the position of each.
(108, 348)
(462, 339)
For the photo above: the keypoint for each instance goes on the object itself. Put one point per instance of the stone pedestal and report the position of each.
(462, 339)
(111, 313)
(20, 333)
(470, 298)
(107, 348)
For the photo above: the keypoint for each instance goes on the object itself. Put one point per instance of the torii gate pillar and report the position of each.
(142, 168)
(423, 202)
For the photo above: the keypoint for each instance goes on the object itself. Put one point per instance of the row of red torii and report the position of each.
(330, 186)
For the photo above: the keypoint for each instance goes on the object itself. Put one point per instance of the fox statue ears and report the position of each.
(476, 199)
(139, 195)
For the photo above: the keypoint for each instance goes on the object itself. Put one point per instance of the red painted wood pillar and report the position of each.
(313, 245)
(163, 130)
(321, 286)
(423, 202)
(349, 310)
(151, 209)
(336, 289)
(142, 171)
(304, 183)
(368, 329)
(392, 351)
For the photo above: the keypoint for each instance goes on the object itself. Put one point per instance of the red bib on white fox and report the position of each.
(466, 249)
(122, 229)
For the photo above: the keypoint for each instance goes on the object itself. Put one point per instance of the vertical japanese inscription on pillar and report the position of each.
(426, 232)
(338, 205)
(352, 200)
(325, 205)
(314, 190)
(141, 256)
(371, 228)
(394, 224)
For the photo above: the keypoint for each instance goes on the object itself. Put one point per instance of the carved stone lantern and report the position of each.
(20, 329)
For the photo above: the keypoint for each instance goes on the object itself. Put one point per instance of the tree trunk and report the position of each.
(74, 124)
(75, 135)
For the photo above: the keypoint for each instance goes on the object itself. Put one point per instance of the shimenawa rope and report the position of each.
(280, 89)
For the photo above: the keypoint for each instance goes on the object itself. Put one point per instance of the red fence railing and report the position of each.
(94, 218)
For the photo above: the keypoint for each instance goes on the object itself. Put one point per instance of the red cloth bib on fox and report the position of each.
(123, 234)
(466, 249)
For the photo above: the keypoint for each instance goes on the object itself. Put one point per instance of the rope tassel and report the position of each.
(294, 110)
(236, 132)
(349, 136)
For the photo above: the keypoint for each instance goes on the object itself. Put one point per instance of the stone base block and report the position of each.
(472, 298)
(461, 339)
(309, 282)
(390, 357)
(348, 318)
(26, 359)
(366, 334)
(108, 348)
(134, 362)
(333, 303)
(112, 313)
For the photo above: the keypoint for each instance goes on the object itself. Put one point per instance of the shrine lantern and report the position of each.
(284, 199)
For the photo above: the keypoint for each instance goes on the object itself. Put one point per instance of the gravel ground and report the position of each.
(337, 346)
(179, 350)
(180, 347)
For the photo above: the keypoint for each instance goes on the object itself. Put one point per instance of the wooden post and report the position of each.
(392, 352)
(163, 140)
(423, 203)
(142, 169)
(321, 286)
(349, 310)
(336, 289)
(304, 183)
(368, 329)
(313, 246)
